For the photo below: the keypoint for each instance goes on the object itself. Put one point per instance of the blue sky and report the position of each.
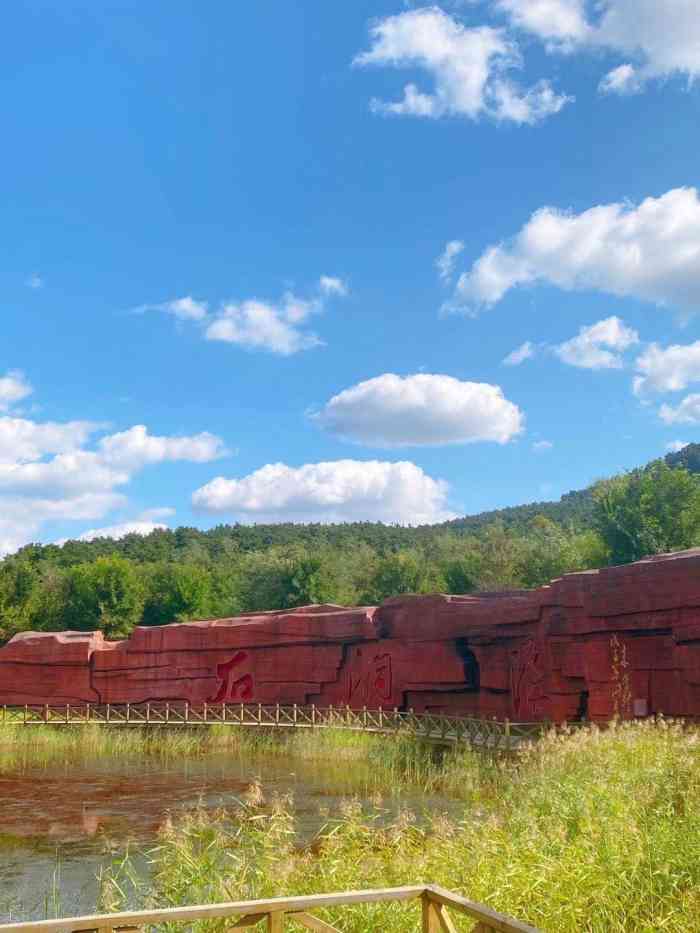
(222, 221)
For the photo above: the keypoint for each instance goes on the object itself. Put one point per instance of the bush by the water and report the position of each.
(589, 831)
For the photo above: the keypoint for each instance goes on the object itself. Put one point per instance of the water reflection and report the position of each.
(60, 822)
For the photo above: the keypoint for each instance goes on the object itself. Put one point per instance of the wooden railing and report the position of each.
(484, 733)
(434, 903)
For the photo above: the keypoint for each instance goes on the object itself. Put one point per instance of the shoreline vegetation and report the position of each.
(590, 830)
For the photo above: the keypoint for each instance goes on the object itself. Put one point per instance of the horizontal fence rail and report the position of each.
(484, 733)
(434, 903)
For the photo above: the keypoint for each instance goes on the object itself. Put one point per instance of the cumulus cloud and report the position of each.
(599, 345)
(621, 80)
(336, 491)
(661, 37)
(561, 23)
(274, 326)
(258, 325)
(137, 448)
(13, 388)
(421, 410)
(52, 471)
(469, 69)
(524, 352)
(446, 260)
(674, 446)
(649, 251)
(22, 439)
(686, 412)
(667, 370)
(116, 532)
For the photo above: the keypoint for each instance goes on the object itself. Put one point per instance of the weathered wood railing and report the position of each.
(486, 733)
(434, 903)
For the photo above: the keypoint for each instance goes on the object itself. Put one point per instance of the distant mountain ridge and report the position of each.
(573, 511)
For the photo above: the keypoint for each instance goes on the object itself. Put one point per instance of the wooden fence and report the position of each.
(484, 733)
(434, 903)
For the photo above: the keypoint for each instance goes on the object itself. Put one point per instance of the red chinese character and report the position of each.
(232, 687)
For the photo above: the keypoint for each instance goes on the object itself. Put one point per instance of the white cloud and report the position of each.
(47, 474)
(524, 352)
(13, 388)
(22, 439)
(540, 447)
(116, 531)
(686, 412)
(330, 285)
(649, 251)
(621, 80)
(185, 309)
(599, 345)
(277, 327)
(468, 68)
(562, 23)
(662, 37)
(136, 448)
(34, 281)
(421, 410)
(446, 260)
(260, 326)
(337, 491)
(674, 446)
(667, 370)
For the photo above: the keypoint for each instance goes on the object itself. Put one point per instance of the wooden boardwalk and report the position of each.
(434, 914)
(447, 730)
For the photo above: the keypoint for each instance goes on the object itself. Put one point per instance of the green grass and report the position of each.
(592, 831)
(365, 761)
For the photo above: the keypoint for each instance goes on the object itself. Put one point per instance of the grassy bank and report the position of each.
(367, 762)
(596, 831)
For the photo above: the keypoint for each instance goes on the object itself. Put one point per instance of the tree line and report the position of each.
(171, 576)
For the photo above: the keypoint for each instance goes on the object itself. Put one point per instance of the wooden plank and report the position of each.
(493, 920)
(212, 911)
(275, 921)
(313, 923)
(446, 924)
(248, 921)
(431, 917)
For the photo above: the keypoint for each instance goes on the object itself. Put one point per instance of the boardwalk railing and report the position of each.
(434, 904)
(486, 733)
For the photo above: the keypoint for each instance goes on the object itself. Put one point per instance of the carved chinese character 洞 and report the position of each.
(234, 684)
(372, 684)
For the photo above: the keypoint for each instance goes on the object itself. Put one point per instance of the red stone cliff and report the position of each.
(551, 653)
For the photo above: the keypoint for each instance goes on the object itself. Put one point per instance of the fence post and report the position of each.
(295, 714)
(46, 712)
(313, 714)
(67, 713)
(507, 730)
(128, 712)
(431, 916)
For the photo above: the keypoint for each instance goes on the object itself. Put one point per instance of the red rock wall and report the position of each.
(529, 654)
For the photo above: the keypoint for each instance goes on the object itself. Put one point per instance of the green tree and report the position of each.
(177, 592)
(108, 595)
(648, 511)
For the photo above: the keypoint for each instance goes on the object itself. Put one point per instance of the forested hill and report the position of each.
(573, 511)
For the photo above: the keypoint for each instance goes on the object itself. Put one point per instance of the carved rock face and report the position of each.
(622, 639)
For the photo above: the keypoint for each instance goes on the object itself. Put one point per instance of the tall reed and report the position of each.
(591, 831)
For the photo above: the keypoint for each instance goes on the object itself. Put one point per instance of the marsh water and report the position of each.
(61, 821)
